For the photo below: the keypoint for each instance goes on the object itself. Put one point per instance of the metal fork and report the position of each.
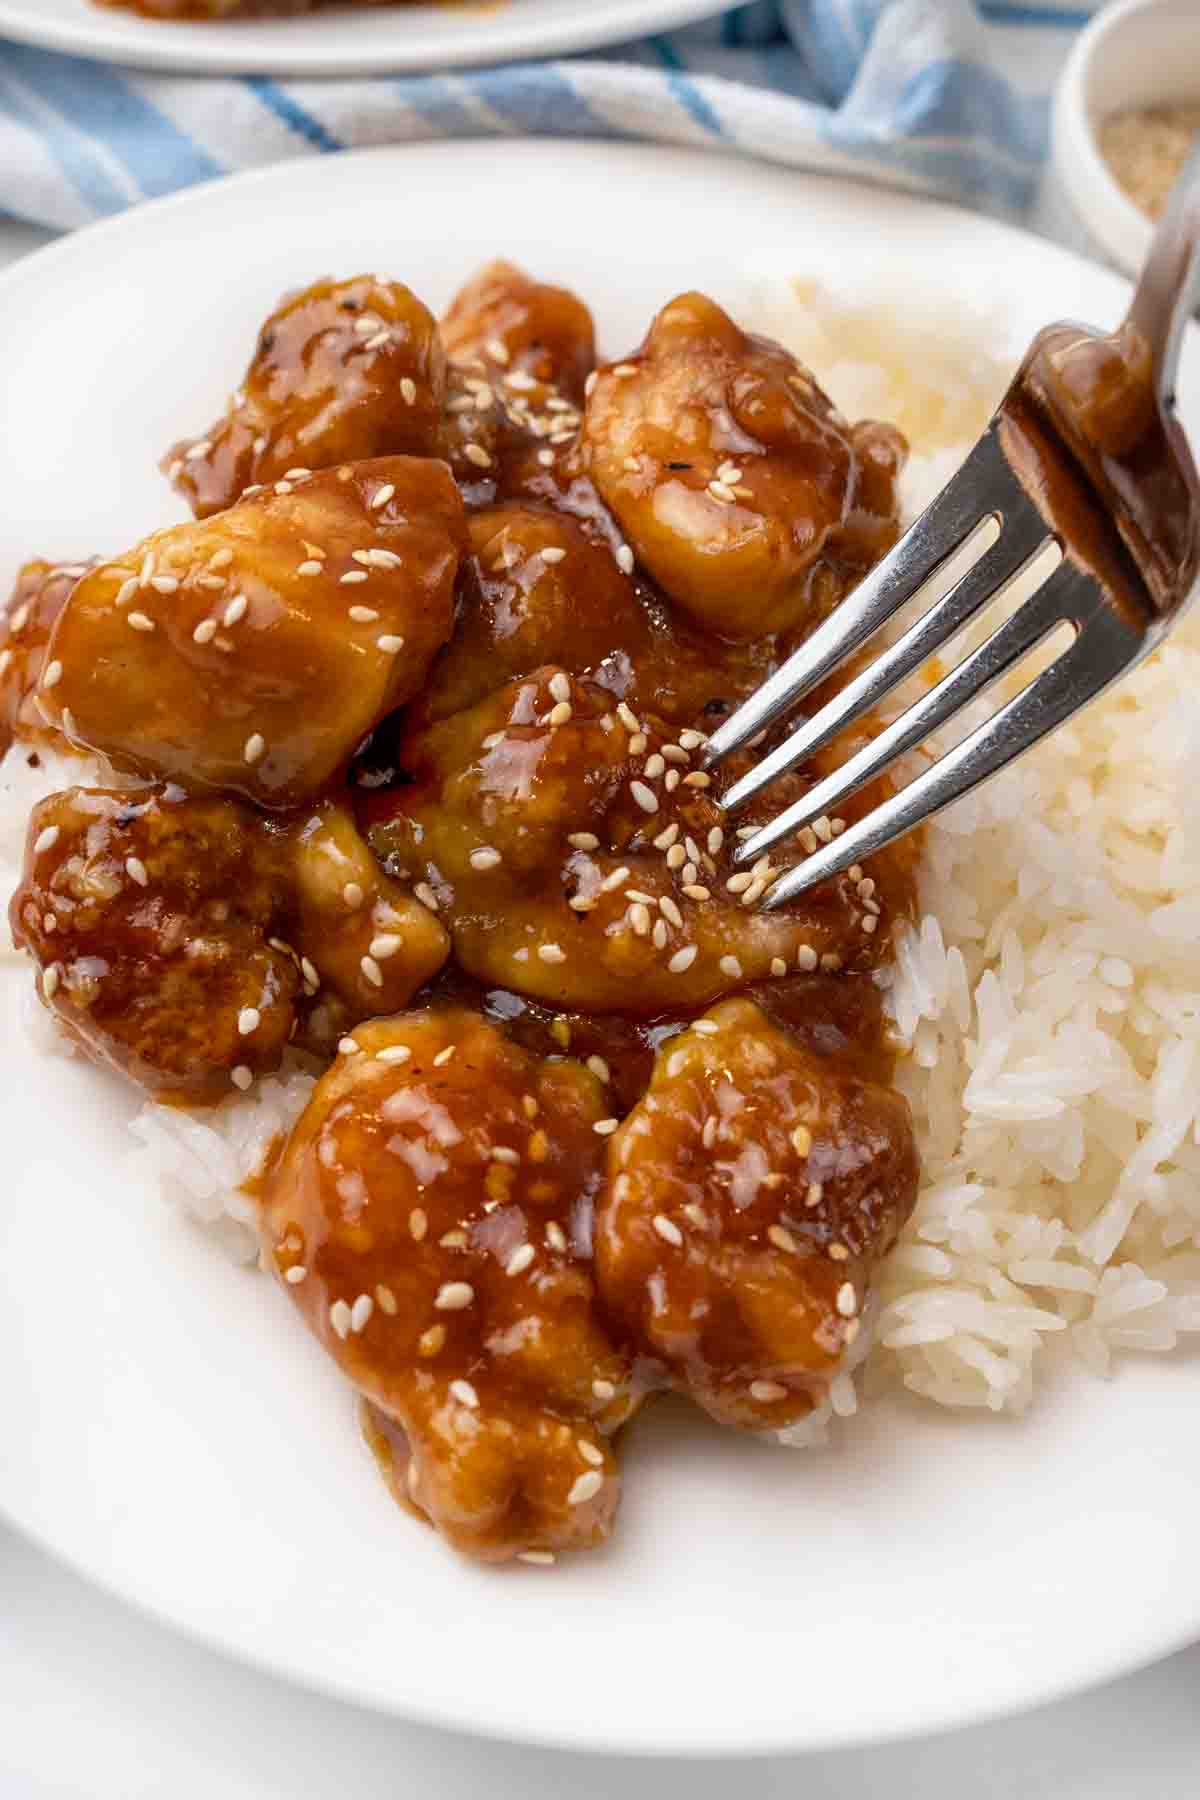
(1085, 451)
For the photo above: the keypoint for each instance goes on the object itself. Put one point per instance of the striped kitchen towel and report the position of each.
(949, 97)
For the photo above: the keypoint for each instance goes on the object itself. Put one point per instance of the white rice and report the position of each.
(1049, 997)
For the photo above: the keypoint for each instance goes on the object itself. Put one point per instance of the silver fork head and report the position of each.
(1024, 474)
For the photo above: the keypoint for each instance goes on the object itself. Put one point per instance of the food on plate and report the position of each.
(401, 784)
(187, 939)
(736, 481)
(342, 371)
(254, 651)
(229, 9)
(372, 838)
(431, 1219)
(752, 1192)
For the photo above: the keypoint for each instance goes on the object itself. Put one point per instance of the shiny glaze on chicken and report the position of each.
(407, 732)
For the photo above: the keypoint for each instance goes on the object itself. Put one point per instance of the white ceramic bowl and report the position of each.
(1139, 53)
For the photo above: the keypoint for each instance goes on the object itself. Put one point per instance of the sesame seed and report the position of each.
(464, 1393)
(431, 1341)
(385, 945)
(624, 557)
(551, 953)
(425, 894)
(212, 584)
(371, 970)
(617, 879)
(542, 1559)
(802, 1140)
(583, 840)
(408, 390)
(348, 1046)
(778, 967)
(395, 1053)
(806, 958)
(585, 1488)
(126, 591)
(309, 972)
(485, 857)
(838, 1253)
(444, 1056)
(706, 1027)
(605, 1127)
(767, 1390)
(644, 796)
(241, 1077)
(561, 714)
(352, 577)
(164, 584)
(256, 746)
(720, 491)
(353, 895)
(603, 1390)
(418, 1224)
(390, 644)
(520, 1259)
(310, 567)
(847, 1300)
(504, 1153)
(545, 457)
(599, 1068)
(815, 1194)
(361, 1311)
(454, 1296)
(476, 454)
(135, 868)
(553, 553)
(236, 610)
(667, 1230)
(50, 981)
(138, 621)
(378, 341)
(729, 965)
(220, 559)
(683, 959)
(45, 840)
(52, 675)
(782, 1238)
(295, 1274)
(205, 631)
(339, 1318)
(382, 495)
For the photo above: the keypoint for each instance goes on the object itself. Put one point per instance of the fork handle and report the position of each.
(1168, 288)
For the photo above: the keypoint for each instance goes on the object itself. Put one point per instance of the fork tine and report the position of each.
(1032, 621)
(1105, 648)
(926, 546)
(995, 570)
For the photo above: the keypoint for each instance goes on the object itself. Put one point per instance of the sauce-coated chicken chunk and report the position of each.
(343, 371)
(431, 1218)
(510, 324)
(38, 597)
(752, 1194)
(186, 940)
(578, 857)
(738, 485)
(256, 650)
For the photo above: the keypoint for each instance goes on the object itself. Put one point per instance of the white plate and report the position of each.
(167, 1425)
(408, 36)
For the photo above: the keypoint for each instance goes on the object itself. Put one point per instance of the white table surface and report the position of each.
(98, 1703)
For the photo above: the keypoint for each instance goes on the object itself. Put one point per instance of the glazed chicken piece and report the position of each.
(510, 324)
(343, 371)
(255, 651)
(431, 1218)
(186, 940)
(535, 590)
(578, 857)
(752, 1194)
(738, 485)
(26, 622)
(538, 588)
